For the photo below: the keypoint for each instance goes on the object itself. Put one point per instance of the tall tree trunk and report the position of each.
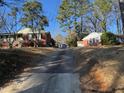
(105, 24)
(75, 19)
(118, 26)
(81, 23)
(121, 5)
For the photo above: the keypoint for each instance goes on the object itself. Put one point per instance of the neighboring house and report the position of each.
(120, 38)
(80, 44)
(93, 39)
(26, 38)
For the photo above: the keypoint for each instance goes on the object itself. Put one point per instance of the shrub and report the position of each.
(108, 38)
(72, 42)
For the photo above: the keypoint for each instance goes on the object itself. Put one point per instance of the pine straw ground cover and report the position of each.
(101, 69)
(13, 61)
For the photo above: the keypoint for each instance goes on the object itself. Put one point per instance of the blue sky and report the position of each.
(50, 8)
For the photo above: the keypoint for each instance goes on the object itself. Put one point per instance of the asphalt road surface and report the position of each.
(54, 74)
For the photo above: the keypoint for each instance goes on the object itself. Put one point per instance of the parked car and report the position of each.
(63, 46)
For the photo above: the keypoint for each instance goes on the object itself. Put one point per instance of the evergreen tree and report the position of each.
(33, 16)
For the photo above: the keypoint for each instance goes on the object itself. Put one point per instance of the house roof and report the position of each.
(120, 36)
(28, 31)
(93, 35)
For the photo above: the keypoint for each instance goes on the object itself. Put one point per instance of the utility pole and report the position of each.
(121, 5)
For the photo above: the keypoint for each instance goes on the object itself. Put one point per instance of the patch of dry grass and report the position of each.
(13, 61)
(101, 69)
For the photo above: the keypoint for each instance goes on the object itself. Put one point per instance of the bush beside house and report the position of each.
(72, 42)
(108, 38)
(71, 39)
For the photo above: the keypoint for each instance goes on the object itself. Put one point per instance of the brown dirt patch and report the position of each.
(13, 61)
(101, 69)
